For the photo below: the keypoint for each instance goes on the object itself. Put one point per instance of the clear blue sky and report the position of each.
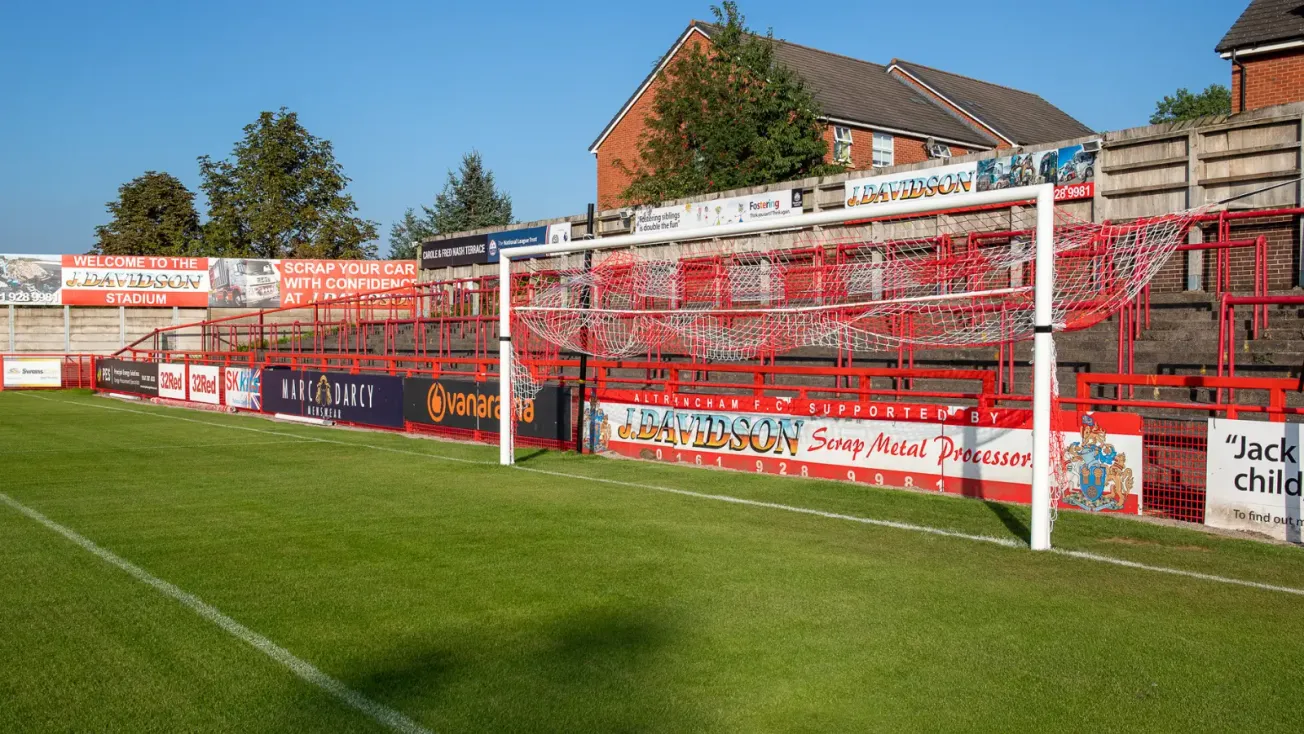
(95, 93)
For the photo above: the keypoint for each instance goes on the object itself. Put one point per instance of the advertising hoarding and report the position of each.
(134, 280)
(30, 280)
(122, 375)
(251, 283)
(368, 399)
(514, 238)
(305, 281)
(32, 372)
(243, 387)
(704, 215)
(1252, 478)
(981, 453)
(473, 406)
(928, 183)
(172, 381)
(468, 250)
(1072, 169)
(203, 384)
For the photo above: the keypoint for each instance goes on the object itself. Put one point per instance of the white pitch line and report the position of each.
(1081, 555)
(160, 447)
(315, 439)
(1088, 556)
(1006, 542)
(379, 712)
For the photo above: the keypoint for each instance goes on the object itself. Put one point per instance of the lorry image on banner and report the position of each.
(247, 283)
(237, 283)
(121, 375)
(366, 399)
(1253, 480)
(473, 406)
(973, 452)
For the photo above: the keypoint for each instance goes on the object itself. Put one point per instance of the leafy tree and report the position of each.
(725, 118)
(282, 194)
(154, 215)
(406, 234)
(470, 200)
(1214, 100)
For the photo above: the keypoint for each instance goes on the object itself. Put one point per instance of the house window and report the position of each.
(882, 149)
(842, 145)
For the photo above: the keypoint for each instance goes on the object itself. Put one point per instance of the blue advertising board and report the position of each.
(515, 238)
(367, 399)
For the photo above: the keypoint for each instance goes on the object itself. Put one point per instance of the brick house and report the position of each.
(1266, 48)
(875, 116)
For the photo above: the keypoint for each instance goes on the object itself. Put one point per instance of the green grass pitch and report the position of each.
(463, 596)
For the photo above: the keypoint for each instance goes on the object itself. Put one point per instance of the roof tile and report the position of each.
(1022, 117)
(1263, 22)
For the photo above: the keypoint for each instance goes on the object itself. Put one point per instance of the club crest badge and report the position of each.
(1098, 475)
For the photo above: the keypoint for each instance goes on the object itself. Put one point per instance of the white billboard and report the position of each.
(929, 183)
(172, 381)
(32, 372)
(203, 382)
(243, 388)
(1252, 478)
(703, 215)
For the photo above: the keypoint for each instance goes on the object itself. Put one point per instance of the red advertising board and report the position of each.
(134, 280)
(976, 452)
(305, 281)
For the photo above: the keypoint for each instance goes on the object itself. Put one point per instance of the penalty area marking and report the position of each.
(378, 712)
(1005, 542)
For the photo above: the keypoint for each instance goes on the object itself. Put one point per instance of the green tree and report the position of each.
(282, 194)
(1182, 105)
(406, 234)
(154, 215)
(470, 200)
(727, 117)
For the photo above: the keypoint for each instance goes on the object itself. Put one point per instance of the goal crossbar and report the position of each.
(968, 296)
(1042, 197)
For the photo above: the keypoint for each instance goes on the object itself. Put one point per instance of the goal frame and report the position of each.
(1043, 198)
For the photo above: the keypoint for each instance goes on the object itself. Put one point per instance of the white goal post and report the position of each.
(1043, 197)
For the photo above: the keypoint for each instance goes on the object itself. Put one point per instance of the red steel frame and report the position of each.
(1227, 324)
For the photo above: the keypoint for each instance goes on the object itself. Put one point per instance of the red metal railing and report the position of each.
(847, 383)
(1227, 324)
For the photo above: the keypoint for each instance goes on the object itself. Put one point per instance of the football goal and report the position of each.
(961, 271)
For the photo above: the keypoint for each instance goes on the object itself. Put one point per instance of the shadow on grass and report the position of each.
(591, 670)
(1016, 526)
(524, 458)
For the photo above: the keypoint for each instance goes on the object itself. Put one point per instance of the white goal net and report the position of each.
(941, 279)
